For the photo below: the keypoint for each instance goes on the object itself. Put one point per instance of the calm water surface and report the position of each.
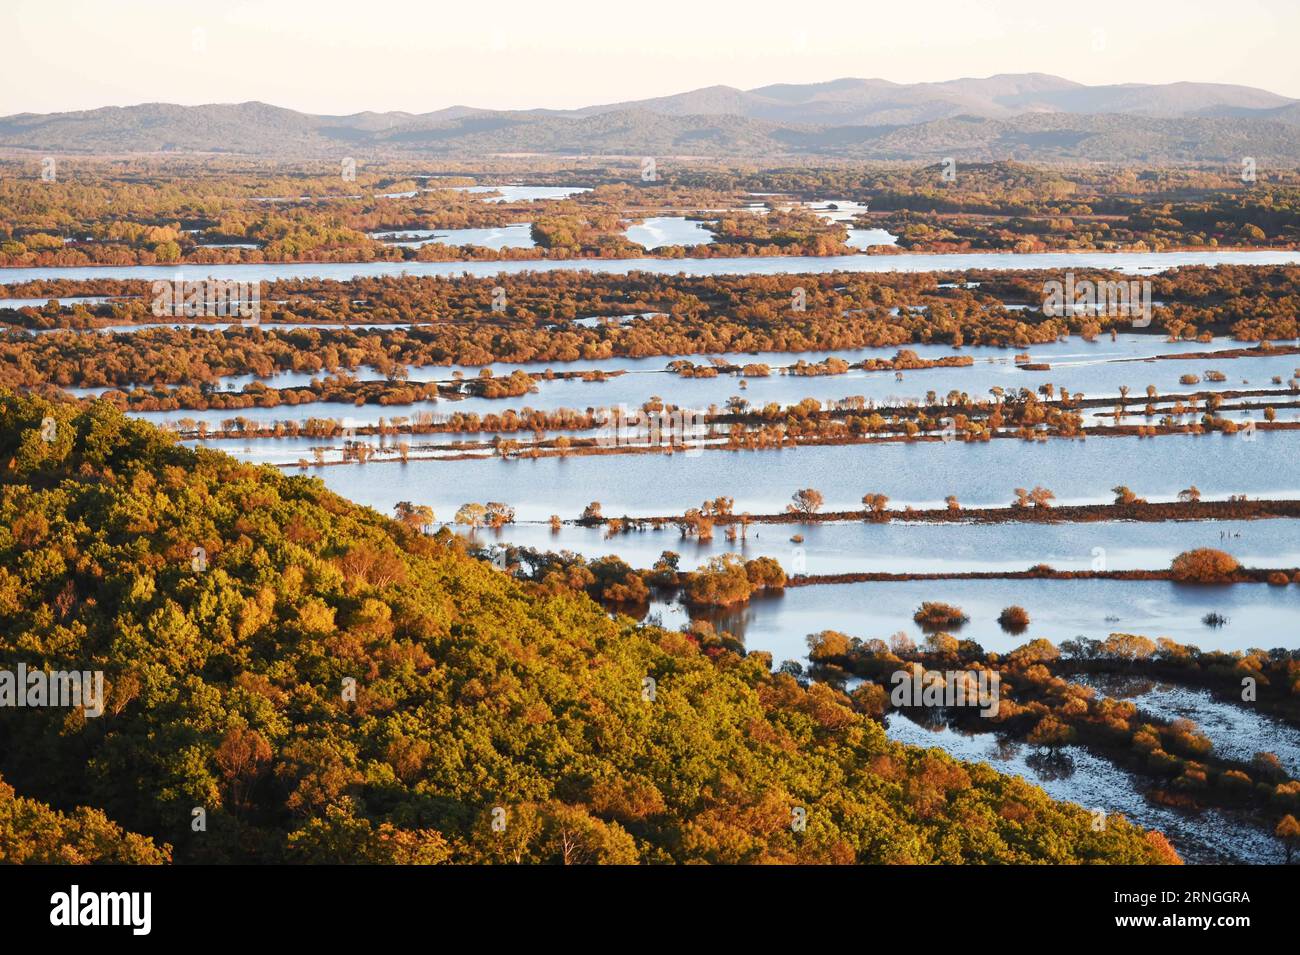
(1258, 615)
(1130, 262)
(658, 231)
(1237, 732)
(496, 194)
(1096, 370)
(518, 236)
(920, 475)
(900, 547)
(1077, 776)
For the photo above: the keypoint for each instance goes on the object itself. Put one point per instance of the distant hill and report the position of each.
(854, 102)
(1024, 116)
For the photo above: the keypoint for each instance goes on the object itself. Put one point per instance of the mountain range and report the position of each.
(1011, 116)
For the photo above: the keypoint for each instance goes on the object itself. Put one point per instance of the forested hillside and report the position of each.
(1194, 124)
(231, 607)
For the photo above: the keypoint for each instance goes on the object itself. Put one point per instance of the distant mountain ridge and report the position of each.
(875, 102)
(1025, 116)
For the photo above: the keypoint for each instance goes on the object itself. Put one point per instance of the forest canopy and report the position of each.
(329, 685)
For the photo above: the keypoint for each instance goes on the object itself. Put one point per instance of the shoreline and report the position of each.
(1058, 514)
(1253, 575)
(881, 252)
(924, 262)
(533, 453)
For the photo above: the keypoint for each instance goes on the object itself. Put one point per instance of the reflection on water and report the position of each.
(1129, 262)
(1075, 775)
(658, 231)
(1258, 615)
(519, 236)
(1237, 732)
(761, 482)
(900, 547)
(497, 194)
(1094, 370)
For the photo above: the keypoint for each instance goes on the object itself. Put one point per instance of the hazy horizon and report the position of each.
(328, 58)
(664, 94)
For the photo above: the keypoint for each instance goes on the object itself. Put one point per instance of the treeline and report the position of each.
(990, 187)
(453, 321)
(724, 581)
(876, 509)
(93, 214)
(145, 213)
(1010, 206)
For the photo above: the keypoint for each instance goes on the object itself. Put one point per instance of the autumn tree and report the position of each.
(805, 502)
(1288, 830)
(828, 645)
(418, 517)
(1014, 619)
(1050, 733)
(497, 515)
(1124, 496)
(722, 581)
(1204, 565)
(875, 505)
(472, 515)
(1041, 498)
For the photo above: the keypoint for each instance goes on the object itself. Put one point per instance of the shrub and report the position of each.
(1014, 619)
(1034, 651)
(765, 572)
(941, 643)
(933, 615)
(827, 645)
(1050, 732)
(721, 582)
(1204, 564)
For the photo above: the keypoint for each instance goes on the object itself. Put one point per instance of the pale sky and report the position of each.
(326, 56)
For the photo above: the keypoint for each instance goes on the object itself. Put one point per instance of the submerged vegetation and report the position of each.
(1036, 701)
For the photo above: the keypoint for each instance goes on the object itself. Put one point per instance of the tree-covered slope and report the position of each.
(997, 117)
(32, 833)
(476, 700)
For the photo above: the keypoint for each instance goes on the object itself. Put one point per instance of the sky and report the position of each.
(327, 56)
